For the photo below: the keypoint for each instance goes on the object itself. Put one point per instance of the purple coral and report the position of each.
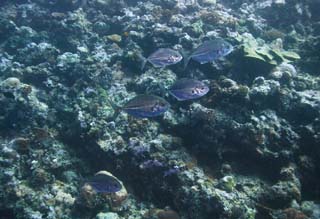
(151, 164)
(174, 170)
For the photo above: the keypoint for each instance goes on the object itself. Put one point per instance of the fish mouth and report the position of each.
(205, 91)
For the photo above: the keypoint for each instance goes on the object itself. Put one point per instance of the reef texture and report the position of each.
(248, 149)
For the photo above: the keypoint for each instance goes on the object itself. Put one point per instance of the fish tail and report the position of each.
(144, 62)
(117, 109)
(163, 90)
(186, 58)
(186, 61)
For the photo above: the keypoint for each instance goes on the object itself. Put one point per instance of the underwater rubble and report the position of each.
(247, 149)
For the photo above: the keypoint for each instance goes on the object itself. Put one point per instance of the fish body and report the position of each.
(143, 106)
(163, 57)
(209, 51)
(187, 89)
(104, 183)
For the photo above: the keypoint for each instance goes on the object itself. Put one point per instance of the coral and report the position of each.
(273, 34)
(161, 214)
(66, 64)
(310, 209)
(147, 83)
(108, 215)
(283, 71)
(262, 88)
(271, 55)
(67, 60)
(227, 183)
(209, 2)
(290, 213)
(115, 38)
(37, 53)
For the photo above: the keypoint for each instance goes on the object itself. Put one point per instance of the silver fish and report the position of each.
(209, 51)
(187, 89)
(163, 57)
(143, 106)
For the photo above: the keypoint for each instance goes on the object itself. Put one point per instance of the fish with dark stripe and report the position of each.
(143, 106)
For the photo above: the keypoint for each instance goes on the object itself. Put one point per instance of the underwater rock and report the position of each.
(5, 62)
(286, 190)
(161, 214)
(311, 209)
(283, 71)
(115, 38)
(67, 60)
(10, 85)
(37, 53)
(262, 88)
(209, 2)
(111, 7)
(289, 213)
(20, 94)
(310, 99)
(102, 28)
(227, 183)
(63, 5)
(154, 81)
(108, 215)
(43, 186)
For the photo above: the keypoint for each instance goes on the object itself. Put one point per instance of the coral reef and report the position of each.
(248, 149)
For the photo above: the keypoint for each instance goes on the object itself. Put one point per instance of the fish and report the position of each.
(162, 58)
(104, 183)
(167, 214)
(209, 51)
(187, 89)
(142, 106)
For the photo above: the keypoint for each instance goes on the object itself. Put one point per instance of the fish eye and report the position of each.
(161, 104)
(193, 91)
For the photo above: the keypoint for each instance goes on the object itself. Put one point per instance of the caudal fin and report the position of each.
(117, 109)
(186, 62)
(144, 62)
(186, 58)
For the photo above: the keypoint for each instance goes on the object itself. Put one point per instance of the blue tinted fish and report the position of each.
(187, 89)
(210, 51)
(103, 183)
(143, 106)
(163, 57)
